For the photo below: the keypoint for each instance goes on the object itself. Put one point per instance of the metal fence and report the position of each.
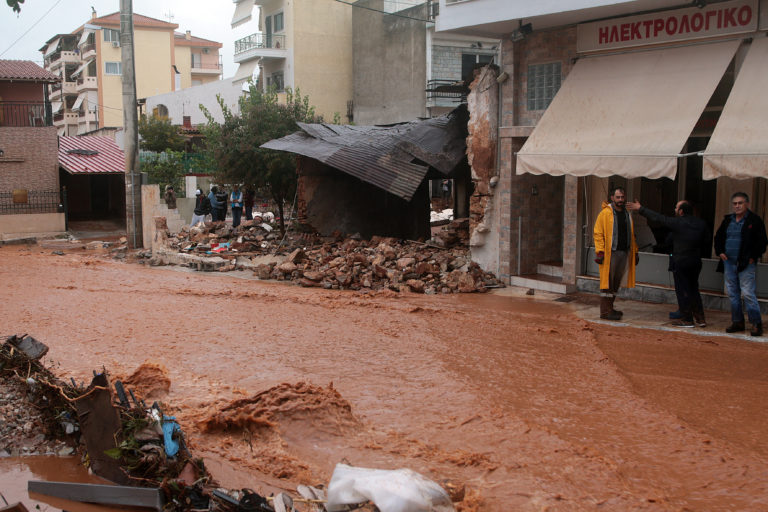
(23, 113)
(30, 201)
(259, 40)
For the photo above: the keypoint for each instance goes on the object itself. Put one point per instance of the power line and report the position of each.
(30, 28)
(384, 12)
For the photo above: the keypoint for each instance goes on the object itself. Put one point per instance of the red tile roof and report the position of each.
(25, 70)
(139, 20)
(91, 155)
(181, 40)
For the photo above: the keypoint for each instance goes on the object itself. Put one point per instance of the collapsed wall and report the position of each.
(482, 142)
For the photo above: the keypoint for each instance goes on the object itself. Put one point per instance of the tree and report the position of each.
(165, 168)
(15, 4)
(234, 145)
(158, 134)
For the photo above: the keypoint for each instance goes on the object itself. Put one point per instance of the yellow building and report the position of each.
(89, 61)
(304, 44)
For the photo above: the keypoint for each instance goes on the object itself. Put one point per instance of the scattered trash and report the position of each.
(102, 494)
(400, 490)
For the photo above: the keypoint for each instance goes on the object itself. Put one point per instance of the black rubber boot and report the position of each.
(736, 327)
(757, 330)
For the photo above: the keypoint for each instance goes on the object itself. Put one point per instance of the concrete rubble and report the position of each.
(441, 265)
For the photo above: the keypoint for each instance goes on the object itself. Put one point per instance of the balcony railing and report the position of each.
(30, 201)
(208, 66)
(259, 40)
(23, 113)
(446, 91)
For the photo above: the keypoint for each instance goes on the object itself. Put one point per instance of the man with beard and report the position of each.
(615, 251)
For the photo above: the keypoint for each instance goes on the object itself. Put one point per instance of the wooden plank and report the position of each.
(103, 494)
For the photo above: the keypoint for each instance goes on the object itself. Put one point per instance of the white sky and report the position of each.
(209, 19)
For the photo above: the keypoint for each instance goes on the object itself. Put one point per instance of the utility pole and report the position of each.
(133, 217)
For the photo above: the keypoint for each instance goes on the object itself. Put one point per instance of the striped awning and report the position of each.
(91, 155)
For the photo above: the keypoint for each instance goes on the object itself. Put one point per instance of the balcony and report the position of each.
(206, 68)
(260, 45)
(23, 113)
(87, 83)
(65, 118)
(62, 89)
(446, 93)
(61, 57)
(87, 51)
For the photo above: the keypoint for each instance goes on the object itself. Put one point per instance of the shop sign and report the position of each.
(715, 20)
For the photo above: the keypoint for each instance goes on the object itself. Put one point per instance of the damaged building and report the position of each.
(374, 180)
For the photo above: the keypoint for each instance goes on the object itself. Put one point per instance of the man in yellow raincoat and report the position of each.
(615, 251)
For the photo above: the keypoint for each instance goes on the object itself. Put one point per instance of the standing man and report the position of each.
(739, 242)
(690, 237)
(202, 208)
(248, 200)
(215, 206)
(170, 197)
(615, 251)
(236, 200)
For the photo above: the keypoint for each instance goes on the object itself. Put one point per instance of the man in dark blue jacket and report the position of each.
(740, 241)
(690, 239)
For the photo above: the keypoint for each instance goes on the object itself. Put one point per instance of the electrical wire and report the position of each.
(31, 27)
(384, 12)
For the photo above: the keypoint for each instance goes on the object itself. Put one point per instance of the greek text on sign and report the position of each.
(714, 20)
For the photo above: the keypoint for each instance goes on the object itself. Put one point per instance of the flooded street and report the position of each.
(526, 404)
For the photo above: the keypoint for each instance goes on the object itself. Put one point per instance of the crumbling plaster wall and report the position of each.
(482, 142)
(329, 200)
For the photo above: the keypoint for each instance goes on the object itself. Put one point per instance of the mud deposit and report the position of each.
(526, 405)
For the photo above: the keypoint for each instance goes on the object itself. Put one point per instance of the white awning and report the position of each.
(243, 11)
(245, 70)
(93, 100)
(52, 47)
(56, 106)
(78, 102)
(738, 147)
(81, 68)
(628, 115)
(84, 37)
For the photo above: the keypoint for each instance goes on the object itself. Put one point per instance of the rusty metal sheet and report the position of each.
(395, 158)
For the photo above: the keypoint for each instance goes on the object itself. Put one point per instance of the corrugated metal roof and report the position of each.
(394, 158)
(91, 155)
(25, 70)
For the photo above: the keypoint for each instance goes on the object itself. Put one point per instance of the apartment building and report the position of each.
(302, 44)
(661, 98)
(88, 60)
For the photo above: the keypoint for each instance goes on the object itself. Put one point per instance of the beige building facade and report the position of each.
(89, 62)
(301, 44)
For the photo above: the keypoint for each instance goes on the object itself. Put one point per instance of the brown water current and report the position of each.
(528, 406)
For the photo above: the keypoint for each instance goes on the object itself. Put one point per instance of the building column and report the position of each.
(571, 231)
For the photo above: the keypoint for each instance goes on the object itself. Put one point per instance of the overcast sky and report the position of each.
(208, 19)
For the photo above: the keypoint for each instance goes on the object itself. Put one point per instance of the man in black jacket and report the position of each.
(740, 241)
(202, 208)
(690, 238)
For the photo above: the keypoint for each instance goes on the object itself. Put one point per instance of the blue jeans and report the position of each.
(237, 212)
(742, 284)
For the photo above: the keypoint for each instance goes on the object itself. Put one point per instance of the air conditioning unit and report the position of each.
(205, 50)
(115, 44)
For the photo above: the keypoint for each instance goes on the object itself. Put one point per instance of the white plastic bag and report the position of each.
(400, 490)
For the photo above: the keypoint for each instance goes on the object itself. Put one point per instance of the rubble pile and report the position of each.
(50, 426)
(441, 265)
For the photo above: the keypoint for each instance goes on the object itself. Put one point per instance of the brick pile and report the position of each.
(439, 266)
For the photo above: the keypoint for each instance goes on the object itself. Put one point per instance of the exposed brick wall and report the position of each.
(30, 159)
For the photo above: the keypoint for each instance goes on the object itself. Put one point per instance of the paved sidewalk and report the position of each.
(643, 315)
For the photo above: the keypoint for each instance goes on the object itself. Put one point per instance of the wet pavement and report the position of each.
(529, 402)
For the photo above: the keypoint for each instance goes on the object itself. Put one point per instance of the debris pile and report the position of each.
(49, 427)
(440, 266)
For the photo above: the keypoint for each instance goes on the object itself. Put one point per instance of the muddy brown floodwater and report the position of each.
(527, 405)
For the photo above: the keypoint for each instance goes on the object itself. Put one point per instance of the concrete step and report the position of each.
(173, 218)
(550, 269)
(542, 282)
